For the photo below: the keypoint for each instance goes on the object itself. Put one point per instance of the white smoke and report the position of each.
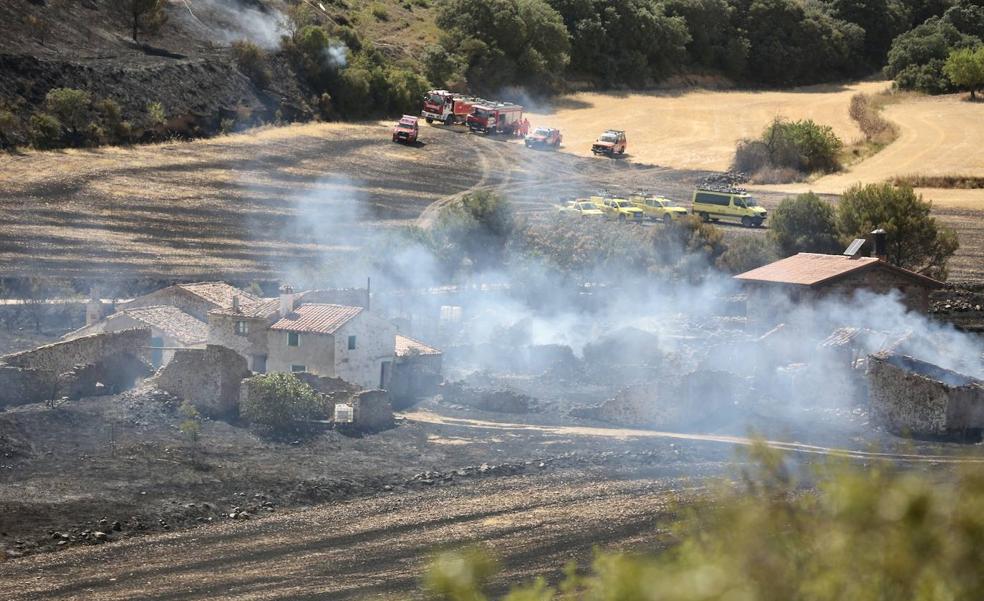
(336, 55)
(227, 21)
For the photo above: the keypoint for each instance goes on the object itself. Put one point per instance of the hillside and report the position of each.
(187, 65)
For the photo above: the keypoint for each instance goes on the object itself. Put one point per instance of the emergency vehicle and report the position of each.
(447, 107)
(496, 118)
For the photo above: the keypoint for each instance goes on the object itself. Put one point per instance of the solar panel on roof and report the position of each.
(855, 246)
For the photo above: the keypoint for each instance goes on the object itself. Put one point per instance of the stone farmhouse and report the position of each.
(176, 316)
(297, 333)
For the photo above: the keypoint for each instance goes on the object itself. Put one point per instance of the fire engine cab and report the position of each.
(496, 118)
(447, 107)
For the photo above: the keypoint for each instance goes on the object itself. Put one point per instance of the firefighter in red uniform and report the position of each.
(525, 129)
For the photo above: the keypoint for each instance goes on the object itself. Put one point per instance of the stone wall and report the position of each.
(373, 411)
(19, 386)
(60, 357)
(916, 398)
(110, 375)
(414, 377)
(208, 378)
(71, 368)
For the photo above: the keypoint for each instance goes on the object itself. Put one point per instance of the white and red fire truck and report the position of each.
(447, 107)
(496, 118)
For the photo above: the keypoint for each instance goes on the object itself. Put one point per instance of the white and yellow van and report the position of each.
(739, 207)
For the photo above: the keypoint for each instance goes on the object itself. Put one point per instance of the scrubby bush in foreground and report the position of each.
(872, 533)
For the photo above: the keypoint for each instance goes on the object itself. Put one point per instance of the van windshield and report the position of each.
(750, 202)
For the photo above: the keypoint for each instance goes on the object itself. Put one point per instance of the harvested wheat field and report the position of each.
(693, 128)
(938, 136)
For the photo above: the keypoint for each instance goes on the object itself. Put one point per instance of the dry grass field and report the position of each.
(938, 136)
(696, 129)
(243, 206)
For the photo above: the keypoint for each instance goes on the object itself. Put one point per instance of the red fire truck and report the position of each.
(496, 118)
(447, 107)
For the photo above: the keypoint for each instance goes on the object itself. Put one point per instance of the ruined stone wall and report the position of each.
(60, 357)
(71, 368)
(414, 377)
(916, 398)
(208, 378)
(373, 411)
(19, 386)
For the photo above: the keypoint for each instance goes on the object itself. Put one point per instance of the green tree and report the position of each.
(915, 240)
(965, 68)
(715, 41)
(747, 252)
(506, 41)
(475, 229)
(144, 16)
(881, 20)
(804, 223)
(623, 41)
(917, 57)
(280, 403)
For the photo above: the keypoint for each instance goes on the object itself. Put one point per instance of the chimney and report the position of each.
(880, 238)
(286, 300)
(235, 303)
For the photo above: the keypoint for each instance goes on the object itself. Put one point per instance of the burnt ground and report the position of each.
(332, 516)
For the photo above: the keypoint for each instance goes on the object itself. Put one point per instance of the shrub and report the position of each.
(804, 223)
(747, 252)
(71, 107)
(280, 403)
(118, 130)
(788, 147)
(156, 114)
(252, 61)
(866, 114)
(379, 12)
(45, 131)
(915, 240)
(11, 133)
(862, 532)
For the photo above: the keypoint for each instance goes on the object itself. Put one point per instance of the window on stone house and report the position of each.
(293, 339)
(351, 343)
(296, 369)
(242, 328)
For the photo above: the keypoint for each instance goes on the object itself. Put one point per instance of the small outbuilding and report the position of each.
(810, 276)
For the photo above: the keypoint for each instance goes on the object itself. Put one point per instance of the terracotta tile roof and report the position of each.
(219, 293)
(172, 321)
(404, 344)
(317, 318)
(264, 307)
(810, 269)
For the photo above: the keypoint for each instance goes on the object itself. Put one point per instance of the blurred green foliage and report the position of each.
(859, 533)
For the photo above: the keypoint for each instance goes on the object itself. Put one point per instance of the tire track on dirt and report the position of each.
(623, 433)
